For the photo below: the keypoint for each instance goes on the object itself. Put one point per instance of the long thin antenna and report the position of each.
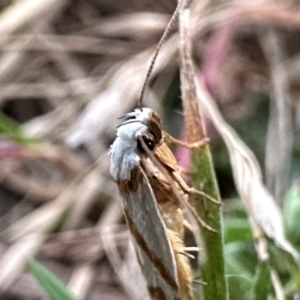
(160, 43)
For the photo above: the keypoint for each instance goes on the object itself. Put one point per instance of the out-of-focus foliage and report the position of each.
(291, 213)
(248, 278)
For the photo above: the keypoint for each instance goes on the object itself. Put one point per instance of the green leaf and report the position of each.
(240, 279)
(243, 253)
(293, 286)
(237, 229)
(291, 214)
(51, 284)
(262, 283)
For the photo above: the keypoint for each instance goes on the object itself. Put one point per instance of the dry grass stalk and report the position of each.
(280, 138)
(23, 13)
(127, 269)
(100, 111)
(13, 261)
(264, 213)
(82, 279)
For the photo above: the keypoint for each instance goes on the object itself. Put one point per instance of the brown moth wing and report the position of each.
(160, 182)
(151, 239)
(165, 156)
(171, 213)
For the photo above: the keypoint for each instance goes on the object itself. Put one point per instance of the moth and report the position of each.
(151, 206)
(154, 193)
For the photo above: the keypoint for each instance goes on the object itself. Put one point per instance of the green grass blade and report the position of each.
(236, 229)
(51, 284)
(213, 271)
(240, 280)
(13, 130)
(203, 176)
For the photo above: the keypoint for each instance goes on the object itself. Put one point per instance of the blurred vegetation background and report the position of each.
(69, 69)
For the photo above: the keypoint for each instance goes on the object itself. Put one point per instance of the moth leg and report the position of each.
(199, 281)
(187, 255)
(193, 249)
(189, 249)
(169, 139)
(175, 177)
(190, 190)
(200, 193)
(198, 219)
(184, 171)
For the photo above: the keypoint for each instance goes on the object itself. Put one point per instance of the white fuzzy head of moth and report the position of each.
(123, 151)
